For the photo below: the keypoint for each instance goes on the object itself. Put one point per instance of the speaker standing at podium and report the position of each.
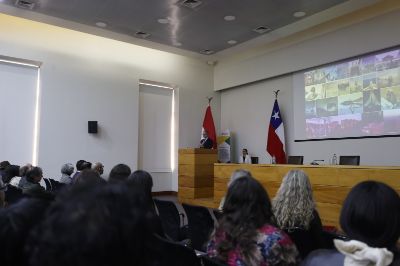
(206, 142)
(245, 157)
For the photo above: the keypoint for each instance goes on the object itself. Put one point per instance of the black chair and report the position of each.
(254, 160)
(200, 224)
(349, 160)
(173, 253)
(295, 159)
(171, 220)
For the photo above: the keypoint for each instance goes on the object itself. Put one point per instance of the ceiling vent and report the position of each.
(262, 29)
(191, 3)
(25, 4)
(206, 51)
(142, 34)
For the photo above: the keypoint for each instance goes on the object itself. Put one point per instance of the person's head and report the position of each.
(98, 167)
(245, 152)
(204, 134)
(110, 227)
(293, 204)
(247, 208)
(16, 222)
(79, 165)
(119, 173)
(10, 172)
(247, 203)
(371, 214)
(4, 164)
(237, 174)
(88, 177)
(34, 175)
(141, 179)
(67, 169)
(86, 166)
(25, 169)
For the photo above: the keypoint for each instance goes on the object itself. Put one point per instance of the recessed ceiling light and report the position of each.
(206, 51)
(232, 42)
(299, 14)
(163, 20)
(229, 18)
(101, 24)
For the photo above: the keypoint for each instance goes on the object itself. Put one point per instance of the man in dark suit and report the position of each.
(206, 142)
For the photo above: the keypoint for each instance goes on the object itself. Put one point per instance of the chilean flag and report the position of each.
(208, 126)
(276, 136)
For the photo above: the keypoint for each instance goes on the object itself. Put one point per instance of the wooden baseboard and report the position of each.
(164, 193)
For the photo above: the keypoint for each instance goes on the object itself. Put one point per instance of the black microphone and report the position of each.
(314, 162)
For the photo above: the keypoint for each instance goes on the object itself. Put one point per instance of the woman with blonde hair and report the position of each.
(294, 210)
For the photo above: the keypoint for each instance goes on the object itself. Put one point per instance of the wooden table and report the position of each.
(330, 183)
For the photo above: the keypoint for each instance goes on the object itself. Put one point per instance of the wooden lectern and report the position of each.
(196, 173)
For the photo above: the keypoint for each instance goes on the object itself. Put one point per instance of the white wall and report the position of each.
(85, 77)
(246, 110)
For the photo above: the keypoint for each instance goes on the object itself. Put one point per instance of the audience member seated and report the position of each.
(235, 175)
(32, 180)
(99, 168)
(88, 176)
(370, 216)
(95, 224)
(20, 180)
(3, 166)
(16, 222)
(12, 193)
(119, 173)
(246, 234)
(80, 166)
(66, 172)
(295, 212)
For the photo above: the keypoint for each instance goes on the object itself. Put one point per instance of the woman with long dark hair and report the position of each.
(246, 234)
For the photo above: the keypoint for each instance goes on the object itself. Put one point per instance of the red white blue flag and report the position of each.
(276, 136)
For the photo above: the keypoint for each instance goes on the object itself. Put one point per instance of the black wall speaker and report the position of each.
(92, 127)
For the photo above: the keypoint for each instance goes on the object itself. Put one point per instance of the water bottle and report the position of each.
(334, 159)
(273, 160)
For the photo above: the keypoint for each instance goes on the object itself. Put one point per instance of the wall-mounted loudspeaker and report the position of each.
(92, 127)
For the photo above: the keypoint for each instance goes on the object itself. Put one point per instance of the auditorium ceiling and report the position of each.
(198, 26)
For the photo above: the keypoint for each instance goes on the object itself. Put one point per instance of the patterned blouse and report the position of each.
(275, 246)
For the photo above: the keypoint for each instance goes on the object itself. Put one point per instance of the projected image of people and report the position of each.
(390, 98)
(368, 64)
(351, 103)
(327, 107)
(310, 110)
(343, 87)
(355, 84)
(372, 101)
(355, 68)
(388, 78)
(369, 82)
(331, 89)
(388, 60)
(342, 70)
(372, 123)
(354, 98)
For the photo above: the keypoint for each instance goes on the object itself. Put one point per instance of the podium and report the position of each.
(196, 173)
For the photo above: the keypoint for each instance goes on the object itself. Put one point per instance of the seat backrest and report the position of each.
(200, 225)
(349, 160)
(173, 253)
(295, 159)
(170, 218)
